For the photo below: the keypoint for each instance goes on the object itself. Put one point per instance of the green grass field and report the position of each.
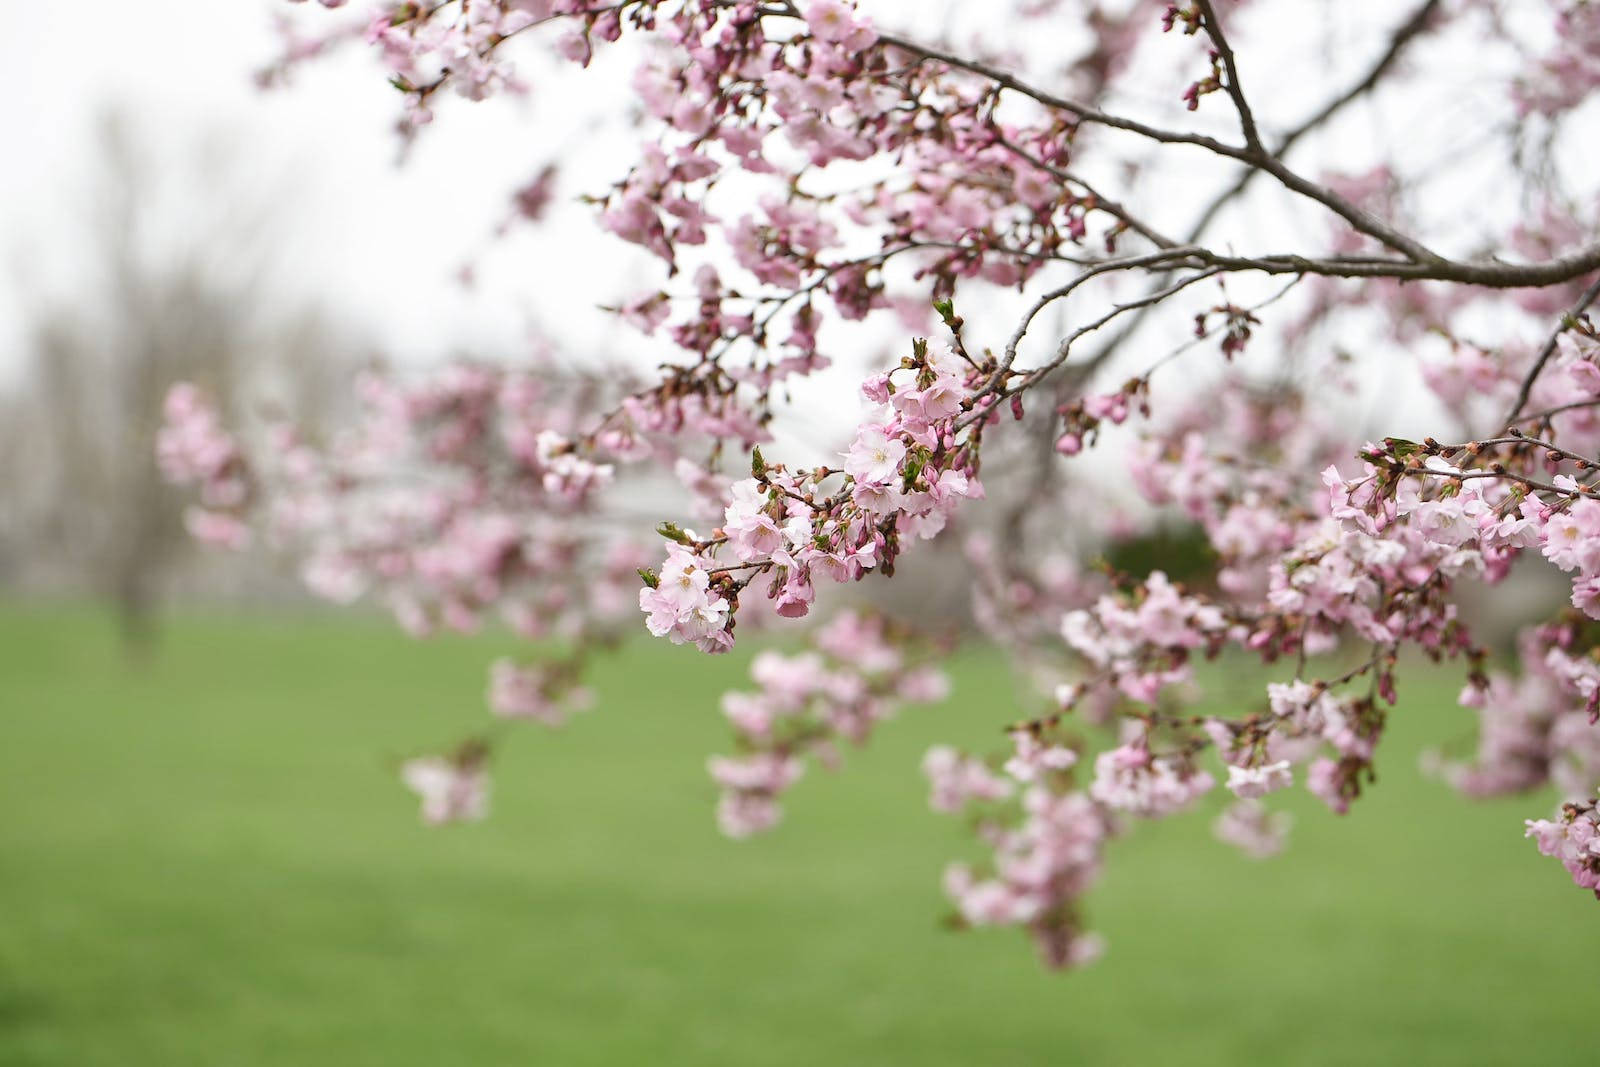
(208, 862)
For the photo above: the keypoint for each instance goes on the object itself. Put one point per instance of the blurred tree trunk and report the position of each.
(174, 290)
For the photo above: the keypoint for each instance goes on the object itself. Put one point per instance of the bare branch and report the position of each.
(1407, 32)
(1399, 40)
(1557, 410)
(1247, 121)
(1064, 350)
(1492, 275)
(1127, 263)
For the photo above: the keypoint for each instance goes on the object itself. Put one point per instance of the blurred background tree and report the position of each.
(182, 254)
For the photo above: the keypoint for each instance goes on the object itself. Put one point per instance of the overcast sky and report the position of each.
(380, 241)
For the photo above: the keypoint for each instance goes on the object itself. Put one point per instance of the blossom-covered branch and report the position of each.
(814, 175)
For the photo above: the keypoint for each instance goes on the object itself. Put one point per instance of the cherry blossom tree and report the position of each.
(1121, 284)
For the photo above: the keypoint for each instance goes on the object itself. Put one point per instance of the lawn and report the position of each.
(208, 861)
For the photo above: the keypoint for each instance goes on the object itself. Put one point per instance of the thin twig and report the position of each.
(1247, 121)
(1398, 41)
(1589, 296)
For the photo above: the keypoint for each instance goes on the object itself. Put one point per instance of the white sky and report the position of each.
(378, 240)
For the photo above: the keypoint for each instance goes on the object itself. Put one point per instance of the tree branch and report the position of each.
(1128, 263)
(1362, 221)
(1247, 121)
(1403, 35)
(1493, 275)
(1085, 112)
(1399, 40)
(1589, 296)
(1104, 203)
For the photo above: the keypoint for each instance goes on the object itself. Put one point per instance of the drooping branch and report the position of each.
(1104, 203)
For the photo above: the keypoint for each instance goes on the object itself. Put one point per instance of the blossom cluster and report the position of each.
(459, 495)
(1537, 726)
(858, 672)
(908, 469)
(1048, 843)
(1141, 645)
(547, 692)
(193, 449)
(1574, 839)
(452, 788)
(1570, 71)
(1129, 778)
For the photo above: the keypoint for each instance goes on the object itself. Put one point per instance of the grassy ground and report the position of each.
(208, 862)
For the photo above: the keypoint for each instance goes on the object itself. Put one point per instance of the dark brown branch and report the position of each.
(1247, 121)
(1551, 449)
(1415, 261)
(1493, 275)
(1589, 296)
(1547, 413)
(1363, 221)
(1209, 263)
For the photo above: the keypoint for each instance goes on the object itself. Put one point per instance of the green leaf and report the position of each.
(673, 532)
(1401, 448)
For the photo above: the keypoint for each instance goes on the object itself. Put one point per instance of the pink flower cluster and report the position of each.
(455, 495)
(1569, 73)
(1141, 645)
(1231, 460)
(547, 693)
(905, 473)
(193, 449)
(1248, 783)
(1018, 604)
(956, 780)
(682, 606)
(1130, 779)
(1537, 726)
(1047, 850)
(1574, 839)
(1252, 829)
(452, 788)
(460, 494)
(859, 671)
